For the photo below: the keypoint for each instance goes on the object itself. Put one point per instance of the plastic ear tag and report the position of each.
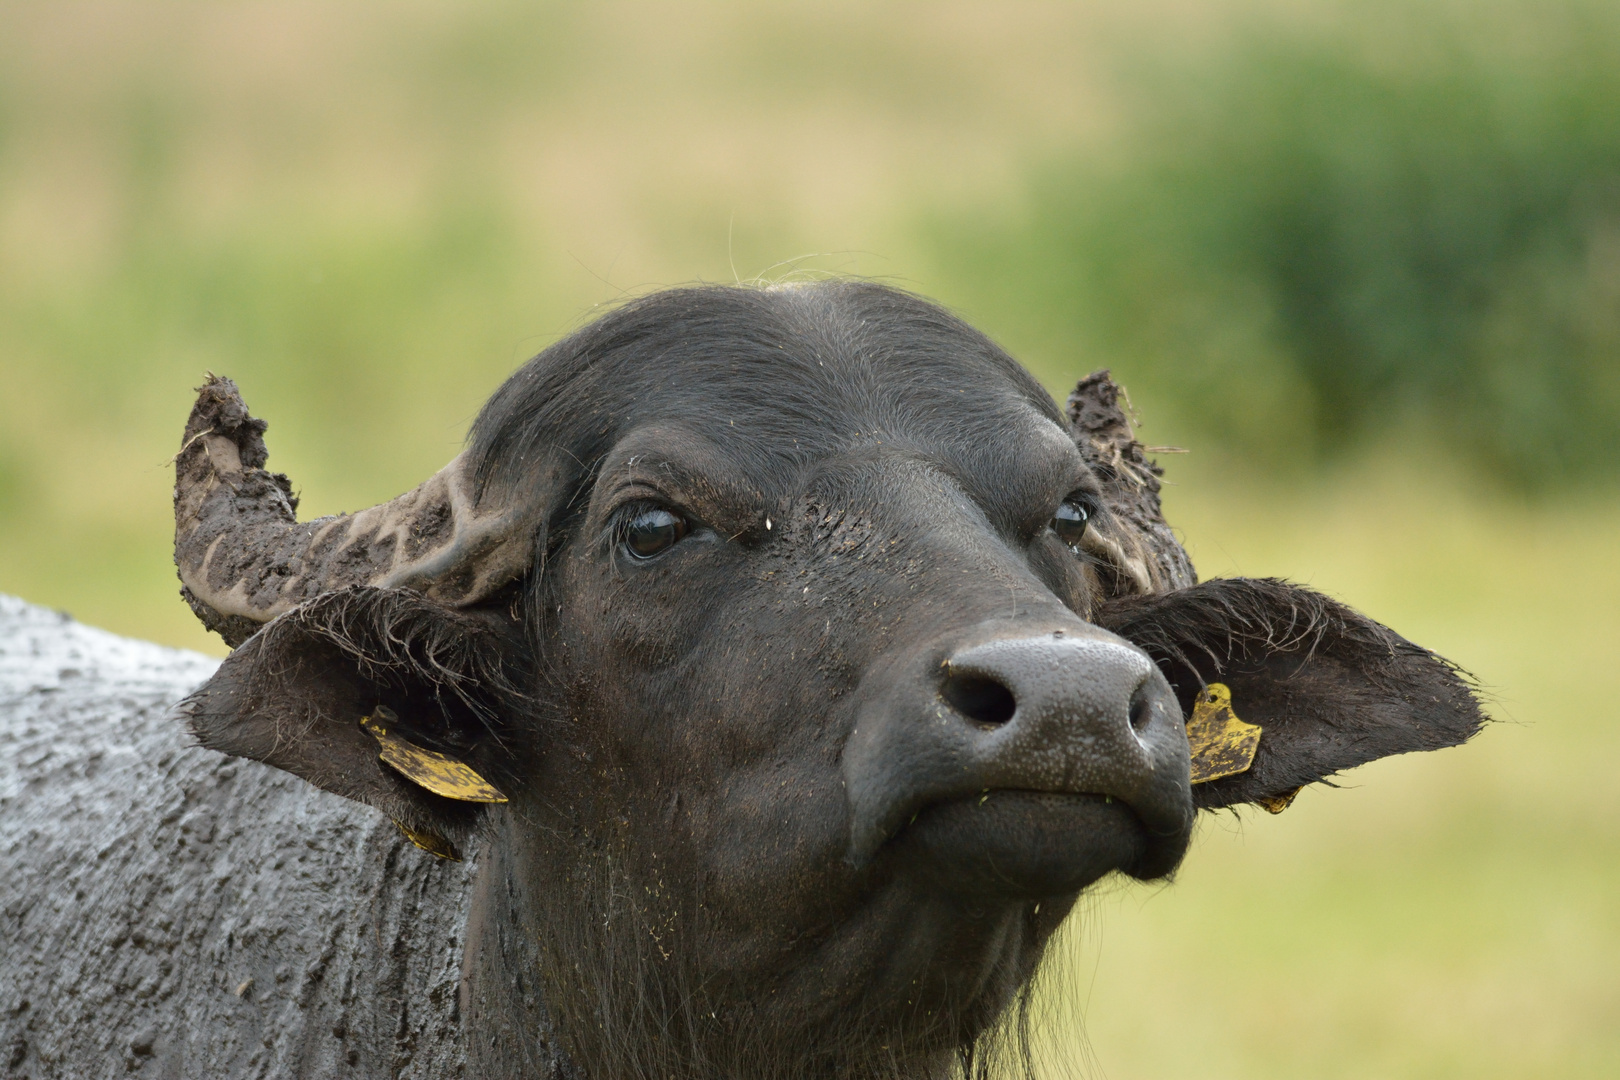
(432, 843)
(1276, 804)
(427, 768)
(1222, 745)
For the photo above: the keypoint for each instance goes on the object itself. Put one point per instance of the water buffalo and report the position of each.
(782, 663)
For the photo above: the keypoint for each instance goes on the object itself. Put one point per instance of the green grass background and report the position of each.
(368, 214)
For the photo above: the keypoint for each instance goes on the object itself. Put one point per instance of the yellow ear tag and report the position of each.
(1222, 745)
(432, 843)
(439, 774)
(1278, 803)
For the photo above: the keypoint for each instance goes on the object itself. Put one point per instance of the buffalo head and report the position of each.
(822, 661)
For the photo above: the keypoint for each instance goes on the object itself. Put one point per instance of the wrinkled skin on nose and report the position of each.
(1026, 765)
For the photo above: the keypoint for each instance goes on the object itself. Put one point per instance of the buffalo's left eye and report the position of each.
(1070, 520)
(653, 531)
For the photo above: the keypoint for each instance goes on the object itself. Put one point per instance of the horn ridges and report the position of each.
(1136, 540)
(244, 558)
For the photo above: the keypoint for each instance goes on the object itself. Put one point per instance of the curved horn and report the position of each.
(244, 557)
(1135, 539)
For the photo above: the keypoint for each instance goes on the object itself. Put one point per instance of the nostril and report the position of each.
(1141, 708)
(980, 698)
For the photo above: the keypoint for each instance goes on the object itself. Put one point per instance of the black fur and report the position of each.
(838, 361)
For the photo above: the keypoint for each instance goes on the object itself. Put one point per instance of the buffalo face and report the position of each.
(843, 709)
(822, 658)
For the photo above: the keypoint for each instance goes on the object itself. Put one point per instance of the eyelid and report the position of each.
(622, 515)
(631, 494)
(1088, 499)
(636, 491)
(1091, 500)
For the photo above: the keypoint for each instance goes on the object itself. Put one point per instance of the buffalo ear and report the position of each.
(294, 694)
(1329, 687)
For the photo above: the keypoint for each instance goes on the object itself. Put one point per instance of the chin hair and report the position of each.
(627, 1005)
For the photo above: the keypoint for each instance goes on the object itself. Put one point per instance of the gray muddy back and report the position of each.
(170, 911)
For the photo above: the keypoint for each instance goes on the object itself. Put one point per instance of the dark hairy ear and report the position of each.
(293, 695)
(1329, 687)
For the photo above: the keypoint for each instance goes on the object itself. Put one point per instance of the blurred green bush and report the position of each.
(1404, 217)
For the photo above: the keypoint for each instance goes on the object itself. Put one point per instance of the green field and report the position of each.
(369, 214)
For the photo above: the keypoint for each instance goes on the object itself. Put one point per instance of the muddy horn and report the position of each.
(244, 557)
(1133, 537)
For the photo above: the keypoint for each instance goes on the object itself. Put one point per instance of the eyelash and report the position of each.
(673, 527)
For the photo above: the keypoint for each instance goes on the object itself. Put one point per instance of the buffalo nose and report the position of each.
(1061, 713)
(1073, 725)
(1105, 688)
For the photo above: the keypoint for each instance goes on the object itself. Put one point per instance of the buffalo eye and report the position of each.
(653, 531)
(1070, 520)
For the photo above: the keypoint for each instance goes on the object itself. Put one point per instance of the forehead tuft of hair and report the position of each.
(818, 357)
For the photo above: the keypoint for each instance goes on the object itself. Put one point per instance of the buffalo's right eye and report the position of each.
(653, 531)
